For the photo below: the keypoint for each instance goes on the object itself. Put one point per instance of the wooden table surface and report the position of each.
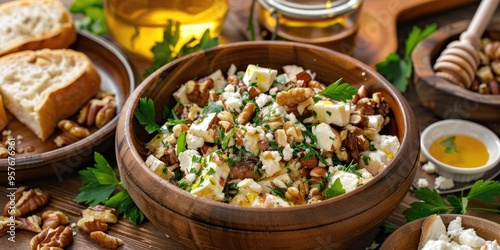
(370, 51)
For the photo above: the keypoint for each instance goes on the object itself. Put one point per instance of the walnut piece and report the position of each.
(8, 224)
(26, 200)
(199, 91)
(32, 223)
(90, 224)
(105, 240)
(101, 213)
(53, 219)
(61, 237)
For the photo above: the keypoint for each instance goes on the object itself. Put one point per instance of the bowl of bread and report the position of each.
(272, 145)
(445, 231)
(61, 91)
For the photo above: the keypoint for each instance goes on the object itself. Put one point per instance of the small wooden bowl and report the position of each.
(444, 98)
(204, 224)
(408, 236)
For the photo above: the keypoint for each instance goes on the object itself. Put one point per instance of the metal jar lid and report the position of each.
(311, 9)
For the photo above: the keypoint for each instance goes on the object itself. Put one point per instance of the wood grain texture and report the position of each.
(182, 215)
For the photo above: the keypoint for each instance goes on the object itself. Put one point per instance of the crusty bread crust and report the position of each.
(58, 36)
(431, 228)
(42, 87)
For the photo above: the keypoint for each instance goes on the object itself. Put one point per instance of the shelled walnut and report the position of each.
(60, 237)
(105, 240)
(96, 218)
(26, 200)
(488, 72)
(53, 219)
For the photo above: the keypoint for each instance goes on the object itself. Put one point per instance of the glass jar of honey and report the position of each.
(331, 24)
(137, 25)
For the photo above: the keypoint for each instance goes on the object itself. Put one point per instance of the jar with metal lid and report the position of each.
(332, 24)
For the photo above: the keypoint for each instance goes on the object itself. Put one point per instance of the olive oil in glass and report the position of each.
(137, 25)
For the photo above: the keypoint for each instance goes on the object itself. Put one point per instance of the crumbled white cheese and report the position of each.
(180, 95)
(186, 163)
(272, 201)
(429, 167)
(260, 77)
(232, 101)
(218, 78)
(287, 152)
(376, 121)
(389, 144)
(202, 127)
(263, 99)
(248, 193)
(278, 181)
(422, 182)
(270, 162)
(443, 183)
(377, 161)
(193, 141)
(349, 180)
(230, 88)
(326, 138)
(210, 184)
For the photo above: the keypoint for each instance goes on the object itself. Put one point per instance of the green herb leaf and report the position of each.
(398, 70)
(181, 142)
(431, 202)
(99, 183)
(484, 191)
(94, 20)
(449, 144)
(164, 51)
(335, 189)
(340, 92)
(126, 206)
(145, 114)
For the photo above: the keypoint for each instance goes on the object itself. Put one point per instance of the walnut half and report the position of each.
(105, 240)
(60, 237)
(26, 200)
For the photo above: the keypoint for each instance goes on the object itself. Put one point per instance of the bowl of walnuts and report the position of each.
(480, 100)
(267, 145)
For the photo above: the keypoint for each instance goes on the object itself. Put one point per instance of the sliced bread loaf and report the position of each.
(32, 25)
(44, 86)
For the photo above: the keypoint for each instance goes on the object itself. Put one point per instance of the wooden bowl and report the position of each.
(444, 98)
(204, 224)
(47, 159)
(408, 236)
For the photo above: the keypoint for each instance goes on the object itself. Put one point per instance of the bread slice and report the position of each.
(33, 25)
(42, 87)
(432, 227)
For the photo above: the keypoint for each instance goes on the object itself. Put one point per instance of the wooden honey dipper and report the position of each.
(459, 60)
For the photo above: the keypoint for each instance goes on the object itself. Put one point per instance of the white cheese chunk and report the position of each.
(248, 193)
(210, 184)
(218, 78)
(252, 137)
(193, 141)
(186, 161)
(158, 167)
(337, 113)
(376, 122)
(429, 167)
(389, 144)
(326, 138)
(272, 201)
(270, 162)
(349, 180)
(260, 77)
(180, 95)
(232, 101)
(202, 127)
(280, 180)
(422, 182)
(377, 161)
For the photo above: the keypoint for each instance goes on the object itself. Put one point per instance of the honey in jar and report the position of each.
(137, 25)
(332, 24)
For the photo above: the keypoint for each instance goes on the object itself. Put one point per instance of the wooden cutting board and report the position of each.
(377, 35)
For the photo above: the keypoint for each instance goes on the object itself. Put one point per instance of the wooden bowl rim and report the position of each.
(421, 57)
(126, 118)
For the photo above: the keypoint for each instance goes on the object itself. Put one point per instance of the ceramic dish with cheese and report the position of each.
(262, 148)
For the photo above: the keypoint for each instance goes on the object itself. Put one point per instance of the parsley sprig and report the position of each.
(398, 70)
(94, 19)
(432, 203)
(164, 51)
(145, 114)
(99, 184)
(339, 91)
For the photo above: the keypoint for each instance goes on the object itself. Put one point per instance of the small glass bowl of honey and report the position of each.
(461, 150)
